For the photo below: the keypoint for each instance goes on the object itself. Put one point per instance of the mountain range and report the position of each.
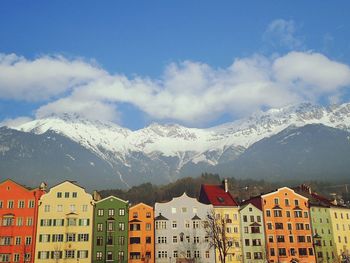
(294, 142)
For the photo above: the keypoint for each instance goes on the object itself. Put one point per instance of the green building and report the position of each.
(253, 233)
(321, 224)
(110, 231)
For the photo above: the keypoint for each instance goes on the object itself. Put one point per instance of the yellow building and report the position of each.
(225, 207)
(64, 231)
(340, 218)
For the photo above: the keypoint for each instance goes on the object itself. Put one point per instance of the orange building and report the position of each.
(141, 234)
(18, 221)
(288, 227)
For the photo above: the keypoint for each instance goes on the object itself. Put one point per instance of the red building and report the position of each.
(18, 220)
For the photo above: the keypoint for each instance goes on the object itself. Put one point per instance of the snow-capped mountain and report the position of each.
(164, 152)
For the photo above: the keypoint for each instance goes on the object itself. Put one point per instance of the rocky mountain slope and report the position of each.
(162, 153)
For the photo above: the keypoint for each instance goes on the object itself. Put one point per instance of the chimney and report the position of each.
(225, 185)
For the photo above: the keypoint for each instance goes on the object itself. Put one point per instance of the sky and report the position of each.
(196, 63)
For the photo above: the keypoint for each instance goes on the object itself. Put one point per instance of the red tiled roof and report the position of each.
(217, 196)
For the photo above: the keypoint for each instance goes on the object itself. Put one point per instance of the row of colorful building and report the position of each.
(67, 224)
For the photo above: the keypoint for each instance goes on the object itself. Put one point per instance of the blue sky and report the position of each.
(198, 63)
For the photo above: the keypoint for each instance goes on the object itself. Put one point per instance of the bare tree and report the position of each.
(216, 232)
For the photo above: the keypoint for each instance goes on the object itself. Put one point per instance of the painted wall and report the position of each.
(64, 226)
(340, 219)
(287, 226)
(18, 217)
(141, 234)
(182, 235)
(253, 235)
(110, 228)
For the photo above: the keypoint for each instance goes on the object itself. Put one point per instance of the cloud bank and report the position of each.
(189, 92)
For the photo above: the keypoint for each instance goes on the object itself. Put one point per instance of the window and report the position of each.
(256, 242)
(135, 240)
(135, 227)
(275, 201)
(187, 224)
(47, 208)
(18, 241)
(162, 240)
(258, 218)
(247, 242)
(121, 211)
(162, 254)
(99, 227)
(71, 222)
(278, 225)
(272, 252)
(75, 195)
(207, 254)
(296, 202)
(248, 255)
(298, 214)
(70, 253)
(100, 212)
(288, 214)
(196, 254)
(84, 208)
(148, 215)
(111, 212)
(257, 255)
(19, 221)
(301, 239)
(148, 226)
(110, 226)
(135, 255)
(121, 256)
(66, 195)
(16, 257)
(59, 195)
(59, 208)
(291, 239)
(184, 209)
(82, 254)
(84, 222)
(302, 251)
(44, 238)
(188, 254)
(10, 204)
(83, 237)
(175, 254)
(99, 255)
(31, 203)
(72, 208)
(277, 213)
(21, 204)
(268, 213)
(43, 254)
(306, 215)
(174, 239)
(245, 219)
(6, 241)
(1, 204)
(282, 252)
(148, 240)
(99, 241)
(135, 215)
(70, 237)
(269, 226)
(195, 239)
(286, 202)
(28, 240)
(280, 239)
(109, 255)
(57, 238)
(121, 226)
(174, 224)
(121, 241)
(195, 224)
(270, 239)
(29, 221)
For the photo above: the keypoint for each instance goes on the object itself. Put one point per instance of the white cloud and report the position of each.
(196, 93)
(282, 32)
(42, 78)
(13, 123)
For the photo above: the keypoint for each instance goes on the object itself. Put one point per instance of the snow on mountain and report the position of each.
(112, 142)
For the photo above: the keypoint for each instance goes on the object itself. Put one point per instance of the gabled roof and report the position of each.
(255, 201)
(196, 217)
(135, 221)
(216, 195)
(8, 180)
(161, 217)
(255, 224)
(114, 197)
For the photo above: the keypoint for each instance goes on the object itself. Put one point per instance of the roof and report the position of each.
(216, 195)
(314, 198)
(161, 217)
(196, 217)
(255, 201)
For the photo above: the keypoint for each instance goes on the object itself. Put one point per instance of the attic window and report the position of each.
(220, 199)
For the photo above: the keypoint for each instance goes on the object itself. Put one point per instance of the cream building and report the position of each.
(64, 231)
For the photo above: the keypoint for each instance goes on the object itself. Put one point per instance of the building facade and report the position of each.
(141, 234)
(225, 208)
(110, 230)
(18, 218)
(180, 233)
(321, 224)
(253, 234)
(64, 229)
(340, 219)
(287, 227)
